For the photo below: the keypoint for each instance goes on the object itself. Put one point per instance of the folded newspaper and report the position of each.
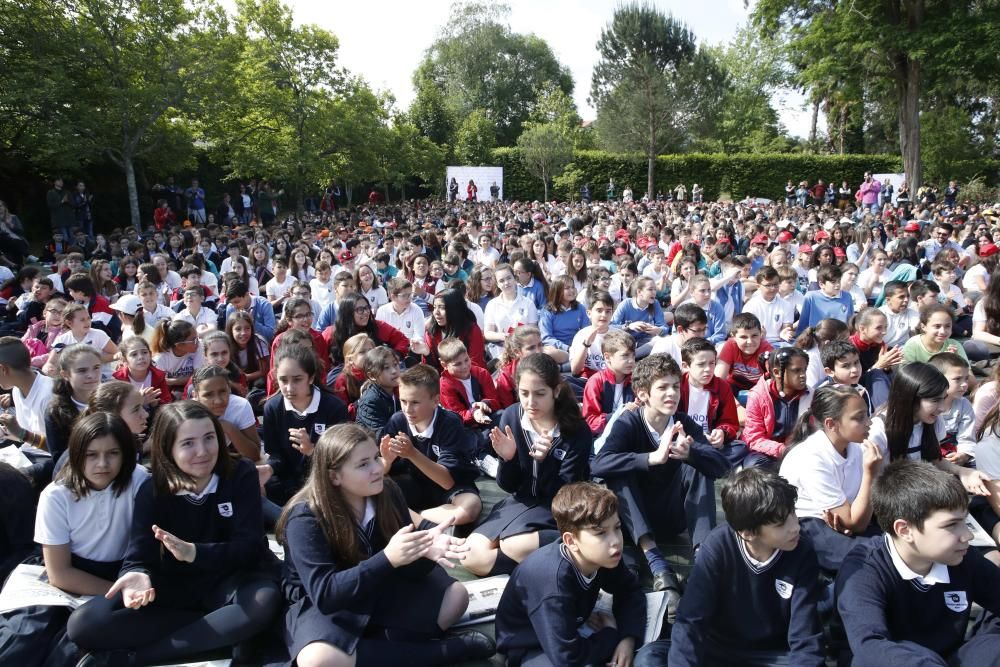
(980, 538)
(656, 610)
(28, 586)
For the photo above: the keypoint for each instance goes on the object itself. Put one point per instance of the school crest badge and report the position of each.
(956, 601)
(559, 454)
(784, 589)
(319, 428)
(226, 510)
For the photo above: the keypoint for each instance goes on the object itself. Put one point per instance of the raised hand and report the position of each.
(872, 456)
(503, 443)
(299, 439)
(385, 449)
(407, 546)
(541, 447)
(181, 550)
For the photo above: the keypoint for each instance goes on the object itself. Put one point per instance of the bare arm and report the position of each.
(62, 574)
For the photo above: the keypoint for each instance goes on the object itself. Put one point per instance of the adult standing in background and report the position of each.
(494, 192)
(472, 191)
(453, 189)
(82, 212)
(196, 203)
(60, 205)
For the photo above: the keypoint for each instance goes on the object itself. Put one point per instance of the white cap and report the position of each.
(128, 304)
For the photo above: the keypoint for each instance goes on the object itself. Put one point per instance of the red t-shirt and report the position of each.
(744, 369)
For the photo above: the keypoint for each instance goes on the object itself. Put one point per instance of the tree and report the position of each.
(545, 150)
(280, 115)
(113, 76)
(477, 62)
(652, 86)
(908, 46)
(475, 139)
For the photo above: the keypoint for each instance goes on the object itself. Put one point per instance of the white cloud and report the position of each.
(384, 40)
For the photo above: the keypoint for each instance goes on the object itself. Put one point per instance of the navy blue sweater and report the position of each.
(226, 527)
(451, 445)
(627, 447)
(732, 603)
(881, 610)
(533, 481)
(346, 592)
(547, 600)
(290, 466)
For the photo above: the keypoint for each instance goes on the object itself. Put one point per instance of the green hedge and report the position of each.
(739, 175)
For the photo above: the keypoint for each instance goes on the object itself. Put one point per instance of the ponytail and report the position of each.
(804, 427)
(138, 322)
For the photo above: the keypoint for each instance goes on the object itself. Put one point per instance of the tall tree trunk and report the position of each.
(908, 86)
(843, 126)
(133, 191)
(814, 124)
(545, 187)
(651, 157)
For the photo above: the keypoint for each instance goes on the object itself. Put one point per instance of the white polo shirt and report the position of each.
(825, 480)
(410, 322)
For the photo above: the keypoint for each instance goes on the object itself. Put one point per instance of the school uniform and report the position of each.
(506, 386)
(341, 603)
(779, 594)
(894, 616)
(96, 528)
(533, 484)
(817, 306)
(154, 378)
(446, 442)
(602, 397)
(458, 395)
(375, 406)
(547, 600)
(289, 465)
(231, 578)
(664, 499)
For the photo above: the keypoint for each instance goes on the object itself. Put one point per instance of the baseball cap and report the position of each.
(785, 236)
(805, 247)
(130, 303)
(912, 227)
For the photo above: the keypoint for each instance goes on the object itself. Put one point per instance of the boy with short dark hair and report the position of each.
(429, 453)
(709, 400)
(842, 365)
(905, 597)
(739, 359)
(661, 466)
(759, 560)
(690, 321)
(829, 301)
(959, 417)
(80, 288)
(552, 593)
(466, 390)
(775, 315)
(610, 389)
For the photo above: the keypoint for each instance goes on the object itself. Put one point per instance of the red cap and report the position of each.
(988, 249)
(724, 239)
(621, 234)
(345, 255)
(785, 236)
(619, 251)
(760, 239)
(912, 227)
(839, 252)
(805, 247)
(821, 235)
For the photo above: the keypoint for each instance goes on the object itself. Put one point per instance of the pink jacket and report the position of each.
(38, 350)
(869, 192)
(760, 418)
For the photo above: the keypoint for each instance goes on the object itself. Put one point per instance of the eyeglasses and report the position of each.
(360, 309)
(302, 316)
(191, 341)
(698, 331)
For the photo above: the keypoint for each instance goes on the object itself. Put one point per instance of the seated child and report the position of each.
(959, 445)
(661, 466)
(379, 400)
(760, 559)
(466, 390)
(787, 287)
(842, 366)
(701, 295)
(586, 357)
(428, 452)
(828, 301)
(739, 362)
(774, 406)
(900, 320)
(690, 321)
(934, 337)
(524, 341)
(776, 315)
(553, 592)
(709, 400)
(878, 360)
(611, 388)
(906, 597)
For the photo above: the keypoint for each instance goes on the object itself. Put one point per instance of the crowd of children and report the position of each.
(346, 380)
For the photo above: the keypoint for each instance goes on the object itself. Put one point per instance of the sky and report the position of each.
(384, 40)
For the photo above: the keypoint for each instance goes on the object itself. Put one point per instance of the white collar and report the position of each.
(212, 487)
(369, 514)
(938, 573)
(429, 432)
(311, 408)
(528, 428)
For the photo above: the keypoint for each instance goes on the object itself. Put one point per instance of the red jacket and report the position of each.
(158, 380)
(454, 398)
(760, 418)
(599, 396)
(506, 388)
(340, 390)
(721, 406)
(474, 343)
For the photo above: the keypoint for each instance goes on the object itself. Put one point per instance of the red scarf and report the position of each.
(862, 345)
